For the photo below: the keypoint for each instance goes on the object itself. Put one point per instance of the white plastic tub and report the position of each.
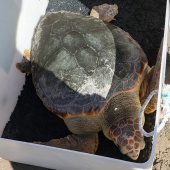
(18, 19)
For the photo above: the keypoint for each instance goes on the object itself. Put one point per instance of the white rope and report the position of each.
(165, 105)
(142, 112)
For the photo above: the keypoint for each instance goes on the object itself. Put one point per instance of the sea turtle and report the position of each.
(94, 76)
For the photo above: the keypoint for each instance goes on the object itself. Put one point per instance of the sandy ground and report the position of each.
(140, 32)
(162, 152)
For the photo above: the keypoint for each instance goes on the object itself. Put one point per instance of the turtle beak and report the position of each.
(133, 154)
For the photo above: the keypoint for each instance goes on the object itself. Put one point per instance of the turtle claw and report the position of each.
(27, 54)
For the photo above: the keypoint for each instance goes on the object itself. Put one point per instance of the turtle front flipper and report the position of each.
(83, 143)
(150, 83)
(25, 65)
(104, 12)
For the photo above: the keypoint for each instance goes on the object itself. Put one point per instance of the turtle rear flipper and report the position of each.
(82, 143)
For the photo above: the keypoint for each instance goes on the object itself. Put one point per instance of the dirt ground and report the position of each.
(144, 20)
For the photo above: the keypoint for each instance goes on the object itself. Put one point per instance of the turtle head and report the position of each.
(127, 136)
